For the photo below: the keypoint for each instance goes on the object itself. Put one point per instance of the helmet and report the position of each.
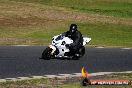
(73, 28)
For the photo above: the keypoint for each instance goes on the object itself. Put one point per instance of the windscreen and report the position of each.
(59, 38)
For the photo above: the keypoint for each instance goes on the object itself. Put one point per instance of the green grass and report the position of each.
(118, 8)
(36, 22)
(108, 34)
(66, 83)
(101, 34)
(24, 83)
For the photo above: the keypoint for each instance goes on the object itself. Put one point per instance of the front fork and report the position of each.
(53, 49)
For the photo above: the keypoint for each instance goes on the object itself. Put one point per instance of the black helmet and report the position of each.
(73, 28)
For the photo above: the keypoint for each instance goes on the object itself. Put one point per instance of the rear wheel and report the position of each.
(46, 55)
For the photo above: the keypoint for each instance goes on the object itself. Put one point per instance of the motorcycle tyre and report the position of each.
(46, 55)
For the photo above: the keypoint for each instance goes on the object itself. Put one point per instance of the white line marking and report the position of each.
(37, 77)
(125, 72)
(125, 48)
(50, 76)
(23, 78)
(100, 47)
(65, 74)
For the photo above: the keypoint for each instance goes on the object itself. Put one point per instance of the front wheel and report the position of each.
(46, 55)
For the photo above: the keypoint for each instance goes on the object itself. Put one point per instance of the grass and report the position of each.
(35, 22)
(101, 34)
(108, 34)
(65, 83)
(118, 8)
(24, 83)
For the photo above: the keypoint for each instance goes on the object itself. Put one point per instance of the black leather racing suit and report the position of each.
(77, 40)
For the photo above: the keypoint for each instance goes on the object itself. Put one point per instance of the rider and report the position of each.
(77, 38)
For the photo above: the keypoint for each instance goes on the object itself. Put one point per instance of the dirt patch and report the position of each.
(23, 15)
(22, 22)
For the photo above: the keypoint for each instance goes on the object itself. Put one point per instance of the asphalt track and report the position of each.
(19, 61)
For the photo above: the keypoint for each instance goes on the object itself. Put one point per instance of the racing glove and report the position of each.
(67, 45)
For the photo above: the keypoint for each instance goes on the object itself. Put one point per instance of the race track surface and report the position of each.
(19, 61)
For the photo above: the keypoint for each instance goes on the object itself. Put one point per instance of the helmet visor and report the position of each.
(73, 29)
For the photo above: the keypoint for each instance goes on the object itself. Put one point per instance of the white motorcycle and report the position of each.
(58, 48)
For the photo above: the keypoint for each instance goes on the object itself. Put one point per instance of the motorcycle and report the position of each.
(58, 48)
